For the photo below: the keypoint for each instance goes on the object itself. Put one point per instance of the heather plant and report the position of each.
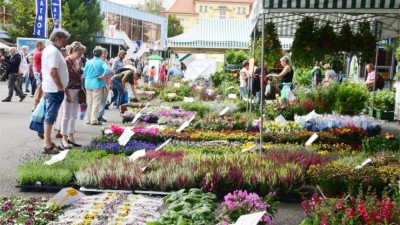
(240, 203)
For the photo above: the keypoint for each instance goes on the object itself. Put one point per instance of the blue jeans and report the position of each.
(243, 92)
(119, 94)
(26, 83)
(52, 105)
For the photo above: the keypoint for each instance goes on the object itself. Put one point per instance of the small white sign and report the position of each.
(252, 148)
(148, 164)
(137, 116)
(177, 85)
(363, 164)
(183, 126)
(137, 154)
(280, 119)
(191, 118)
(250, 219)
(312, 139)
(188, 99)
(126, 136)
(225, 110)
(230, 87)
(209, 92)
(232, 96)
(171, 95)
(66, 196)
(57, 158)
(164, 144)
(144, 109)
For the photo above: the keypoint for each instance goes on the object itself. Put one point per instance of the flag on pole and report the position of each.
(56, 13)
(40, 29)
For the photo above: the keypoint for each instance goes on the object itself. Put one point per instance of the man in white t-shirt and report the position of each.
(55, 80)
(244, 75)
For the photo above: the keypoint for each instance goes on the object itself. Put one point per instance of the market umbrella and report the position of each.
(155, 57)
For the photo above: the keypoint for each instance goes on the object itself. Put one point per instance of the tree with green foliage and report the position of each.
(153, 6)
(22, 19)
(304, 43)
(82, 19)
(326, 41)
(174, 26)
(272, 46)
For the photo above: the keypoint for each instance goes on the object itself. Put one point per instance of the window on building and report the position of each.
(182, 21)
(222, 14)
(205, 8)
(201, 8)
(238, 10)
(244, 10)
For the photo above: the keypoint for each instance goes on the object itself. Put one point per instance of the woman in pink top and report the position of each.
(161, 76)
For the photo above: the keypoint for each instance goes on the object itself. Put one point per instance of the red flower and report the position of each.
(350, 212)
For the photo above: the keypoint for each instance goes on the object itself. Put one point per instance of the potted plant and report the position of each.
(234, 59)
(384, 102)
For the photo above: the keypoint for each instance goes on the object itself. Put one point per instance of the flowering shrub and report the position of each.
(222, 123)
(15, 210)
(377, 144)
(289, 109)
(359, 210)
(240, 203)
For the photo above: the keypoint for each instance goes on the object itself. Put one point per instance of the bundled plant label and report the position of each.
(280, 119)
(125, 136)
(188, 99)
(137, 154)
(57, 158)
(252, 148)
(164, 144)
(66, 196)
(137, 116)
(250, 219)
(363, 164)
(312, 139)
(225, 110)
(177, 85)
(183, 126)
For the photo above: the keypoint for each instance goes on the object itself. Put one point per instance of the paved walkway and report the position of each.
(18, 142)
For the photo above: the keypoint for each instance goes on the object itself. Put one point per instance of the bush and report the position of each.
(377, 144)
(351, 98)
(302, 76)
(324, 98)
(224, 76)
(199, 107)
(384, 100)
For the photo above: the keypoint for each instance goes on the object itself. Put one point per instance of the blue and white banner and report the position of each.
(56, 13)
(40, 29)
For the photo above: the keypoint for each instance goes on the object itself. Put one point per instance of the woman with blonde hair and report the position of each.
(329, 75)
(286, 75)
(71, 100)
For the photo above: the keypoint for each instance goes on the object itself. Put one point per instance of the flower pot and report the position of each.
(385, 115)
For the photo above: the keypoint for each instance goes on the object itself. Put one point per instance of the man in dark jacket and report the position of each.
(12, 69)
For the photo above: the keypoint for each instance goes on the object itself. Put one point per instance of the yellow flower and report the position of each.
(389, 136)
(323, 152)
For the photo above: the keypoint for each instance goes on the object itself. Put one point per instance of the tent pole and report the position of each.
(376, 64)
(262, 80)
(251, 74)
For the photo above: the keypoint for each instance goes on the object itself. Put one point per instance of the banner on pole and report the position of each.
(40, 29)
(56, 13)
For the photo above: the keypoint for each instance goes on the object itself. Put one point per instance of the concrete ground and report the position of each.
(17, 141)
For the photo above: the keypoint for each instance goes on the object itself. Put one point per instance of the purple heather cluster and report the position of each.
(132, 145)
(175, 113)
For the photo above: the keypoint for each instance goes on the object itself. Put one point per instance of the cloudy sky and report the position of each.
(166, 3)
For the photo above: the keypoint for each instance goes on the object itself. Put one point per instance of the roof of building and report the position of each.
(183, 6)
(216, 34)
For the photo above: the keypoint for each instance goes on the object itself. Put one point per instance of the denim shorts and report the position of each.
(53, 102)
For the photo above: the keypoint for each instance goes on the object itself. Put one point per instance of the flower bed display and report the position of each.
(61, 173)
(240, 203)
(115, 148)
(377, 144)
(15, 210)
(282, 172)
(341, 176)
(111, 208)
(363, 209)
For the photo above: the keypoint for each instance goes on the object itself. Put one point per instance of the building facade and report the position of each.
(189, 12)
(124, 26)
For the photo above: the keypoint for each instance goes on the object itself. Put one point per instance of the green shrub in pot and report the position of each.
(351, 98)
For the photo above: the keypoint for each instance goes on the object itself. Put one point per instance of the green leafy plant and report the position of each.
(302, 76)
(304, 43)
(272, 46)
(378, 144)
(383, 100)
(200, 107)
(192, 207)
(351, 98)
(236, 57)
(223, 77)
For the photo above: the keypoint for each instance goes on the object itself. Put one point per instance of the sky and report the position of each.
(166, 3)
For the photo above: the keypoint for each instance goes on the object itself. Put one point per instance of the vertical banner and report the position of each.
(56, 13)
(40, 29)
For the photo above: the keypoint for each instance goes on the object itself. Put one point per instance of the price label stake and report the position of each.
(250, 219)
(312, 139)
(57, 158)
(164, 144)
(126, 136)
(137, 154)
(225, 110)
